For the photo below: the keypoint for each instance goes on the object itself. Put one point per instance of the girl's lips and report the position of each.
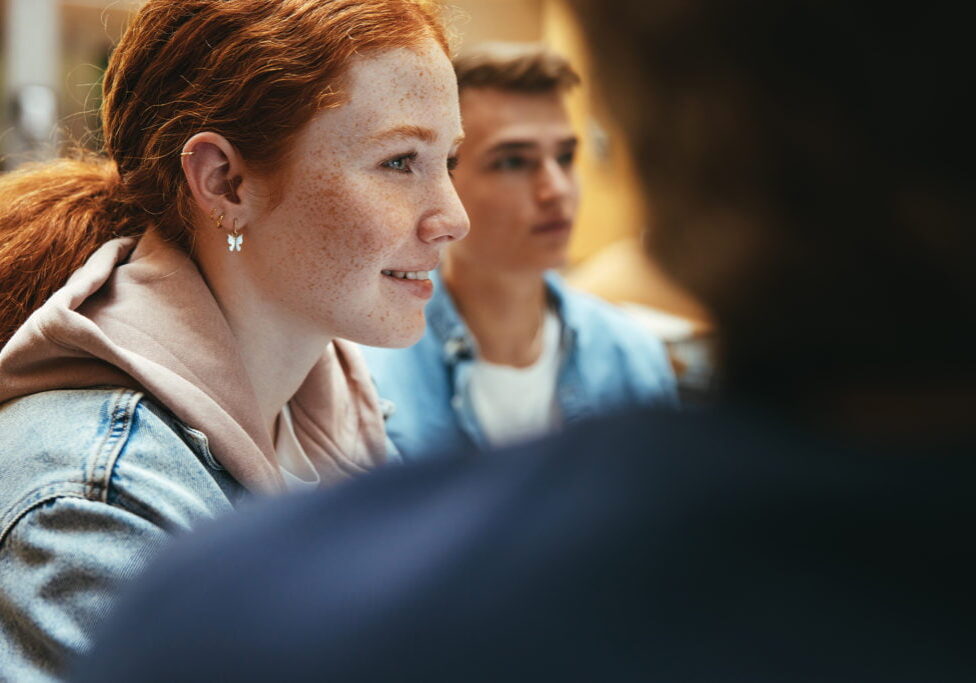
(422, 289)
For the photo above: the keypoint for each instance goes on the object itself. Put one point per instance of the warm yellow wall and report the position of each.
(610, 208)
(478, 21)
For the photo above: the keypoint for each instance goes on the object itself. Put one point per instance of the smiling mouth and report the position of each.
(414, 282)
(408, 274)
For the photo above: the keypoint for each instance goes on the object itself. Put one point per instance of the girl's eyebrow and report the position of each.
(418, 132)
(427, 135)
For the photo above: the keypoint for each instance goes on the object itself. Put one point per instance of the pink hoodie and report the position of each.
(148, 321)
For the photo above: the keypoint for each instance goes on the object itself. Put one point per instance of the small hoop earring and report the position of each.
(235, 239)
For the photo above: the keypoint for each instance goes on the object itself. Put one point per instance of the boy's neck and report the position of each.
(505, 311)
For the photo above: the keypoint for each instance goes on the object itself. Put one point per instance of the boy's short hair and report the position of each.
(516, 67)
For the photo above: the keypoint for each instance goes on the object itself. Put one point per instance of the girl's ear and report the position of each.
(217, 177)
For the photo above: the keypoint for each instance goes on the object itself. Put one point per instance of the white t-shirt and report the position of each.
(296, 468)
(515, 404)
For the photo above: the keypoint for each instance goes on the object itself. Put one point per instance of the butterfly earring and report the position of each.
(235, 240)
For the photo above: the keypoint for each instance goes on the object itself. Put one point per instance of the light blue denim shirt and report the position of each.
(92, 483)
(607, 361)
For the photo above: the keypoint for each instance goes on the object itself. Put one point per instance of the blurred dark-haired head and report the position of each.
(805, 169)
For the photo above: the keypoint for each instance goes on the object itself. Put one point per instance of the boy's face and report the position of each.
(516, 179)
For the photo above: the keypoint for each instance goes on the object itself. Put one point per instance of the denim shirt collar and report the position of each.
(445, 322)
(459, 349)
(456, 339)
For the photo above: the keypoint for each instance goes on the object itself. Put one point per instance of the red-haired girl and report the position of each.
(276, 180)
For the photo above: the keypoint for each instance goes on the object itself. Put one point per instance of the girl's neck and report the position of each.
(278, 348)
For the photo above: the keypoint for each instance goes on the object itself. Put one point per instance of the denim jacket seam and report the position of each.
(39, 496)
(131, 504)
(98, 471)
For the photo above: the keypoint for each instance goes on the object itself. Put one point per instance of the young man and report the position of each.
(510, 352)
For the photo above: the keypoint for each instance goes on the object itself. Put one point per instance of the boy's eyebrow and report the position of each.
(512, 146)
(522, 145)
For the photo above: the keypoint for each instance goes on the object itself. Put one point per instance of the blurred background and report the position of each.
(53, 52)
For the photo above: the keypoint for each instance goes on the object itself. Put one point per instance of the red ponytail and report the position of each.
(54, 216)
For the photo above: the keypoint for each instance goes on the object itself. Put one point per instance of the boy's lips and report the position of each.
(558, 225)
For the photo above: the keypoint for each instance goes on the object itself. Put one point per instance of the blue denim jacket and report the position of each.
(92, 482)
(608, 362)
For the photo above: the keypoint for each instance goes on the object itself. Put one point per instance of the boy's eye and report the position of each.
(452, 163)
(510, 163)
(566, 159)
(401, 163)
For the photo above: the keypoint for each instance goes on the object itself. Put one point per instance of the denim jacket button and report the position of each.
(387, 408)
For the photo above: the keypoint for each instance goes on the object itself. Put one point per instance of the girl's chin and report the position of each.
(407, 333)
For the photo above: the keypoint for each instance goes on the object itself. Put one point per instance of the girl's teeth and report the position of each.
(411, 275)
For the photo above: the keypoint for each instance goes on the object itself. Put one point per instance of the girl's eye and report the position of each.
(567, 159)
(403, 164)
(452, 163)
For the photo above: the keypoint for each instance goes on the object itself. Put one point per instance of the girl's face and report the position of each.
(368, 197)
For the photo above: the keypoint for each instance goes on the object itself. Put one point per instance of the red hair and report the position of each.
(253, 71)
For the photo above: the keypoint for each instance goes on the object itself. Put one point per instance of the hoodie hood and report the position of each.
(138, 314)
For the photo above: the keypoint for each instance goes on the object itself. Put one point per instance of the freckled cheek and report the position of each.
(344, 233)
(318, 211)
(343, 248)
